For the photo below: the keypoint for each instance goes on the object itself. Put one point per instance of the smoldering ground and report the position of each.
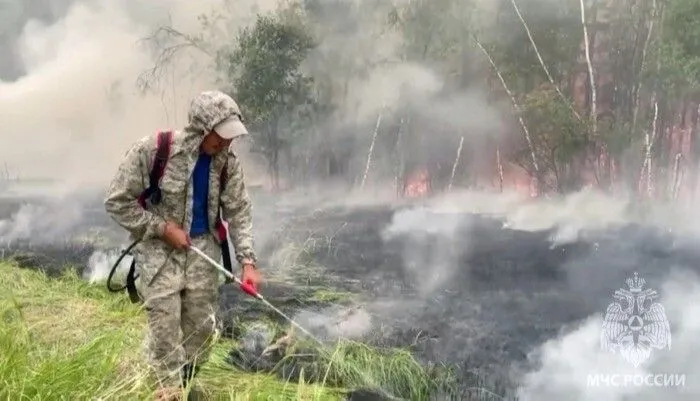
(511, 292)
(509, 303)
(511, 306)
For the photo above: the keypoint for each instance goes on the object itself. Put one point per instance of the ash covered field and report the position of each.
(511, 298)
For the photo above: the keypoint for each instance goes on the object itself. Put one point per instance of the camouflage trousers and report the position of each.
(180, 293)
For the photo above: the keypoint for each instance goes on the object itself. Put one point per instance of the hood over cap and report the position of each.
(215, 110)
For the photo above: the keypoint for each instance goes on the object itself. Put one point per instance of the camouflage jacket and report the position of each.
(176, 184)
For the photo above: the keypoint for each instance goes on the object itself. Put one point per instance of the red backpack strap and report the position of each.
(160, 160)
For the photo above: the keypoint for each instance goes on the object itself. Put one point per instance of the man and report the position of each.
(178, 287)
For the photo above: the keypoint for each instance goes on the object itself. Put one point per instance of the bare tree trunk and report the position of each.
(371, 148)
(500, 167)
(648, 142)
(677, 177)
(591, 75)
(541, 60)
(399, 159)
(517, 108)
(694, 156)
(598, 152)
(274, 151)
(456, 163)
(275, 169)
(635, 113)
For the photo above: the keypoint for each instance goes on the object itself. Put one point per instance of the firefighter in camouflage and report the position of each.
(179, 288)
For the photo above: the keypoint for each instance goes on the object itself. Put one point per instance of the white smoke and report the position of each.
(570, 216)
(430, 257)
(574, 366)
(77, 109)
(337, 322)
(42, 223)
(100, 264)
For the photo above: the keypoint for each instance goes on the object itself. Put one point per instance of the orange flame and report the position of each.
(417, 184)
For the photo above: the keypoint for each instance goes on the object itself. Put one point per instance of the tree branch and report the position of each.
(542, 63)
(166, 53)
(591, 76)
(528, 138)
(650, 31)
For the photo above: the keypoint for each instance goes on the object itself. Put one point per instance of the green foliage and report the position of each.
(682, 25)
(616, 137)
(556, 30)
(270, 67)
(679, 50)
(553, 123)
(265, 67)
(556, 132)
(432, 29)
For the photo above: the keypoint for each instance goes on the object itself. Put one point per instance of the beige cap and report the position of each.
(231, 128)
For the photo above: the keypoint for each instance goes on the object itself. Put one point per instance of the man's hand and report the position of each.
(250, 274)
(176, 236)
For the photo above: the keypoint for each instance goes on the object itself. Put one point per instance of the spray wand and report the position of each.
(249, 288)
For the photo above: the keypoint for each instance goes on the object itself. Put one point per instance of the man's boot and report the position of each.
(189, 371)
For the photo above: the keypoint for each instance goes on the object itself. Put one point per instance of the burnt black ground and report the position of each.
(499, 295)
(504, 293)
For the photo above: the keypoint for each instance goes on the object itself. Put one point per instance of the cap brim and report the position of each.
(231, 128)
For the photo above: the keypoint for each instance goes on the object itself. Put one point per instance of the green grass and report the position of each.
(325, 295)
(395, 372)
(65, 339)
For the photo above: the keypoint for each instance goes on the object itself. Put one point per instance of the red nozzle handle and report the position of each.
(249, 288)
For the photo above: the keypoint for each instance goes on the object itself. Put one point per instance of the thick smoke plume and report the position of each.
(73, 113)
(75, 109)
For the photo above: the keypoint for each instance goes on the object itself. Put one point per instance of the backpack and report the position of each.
(153, 193)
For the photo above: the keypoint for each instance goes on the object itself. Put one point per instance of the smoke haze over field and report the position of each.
(76, 106)
(73, 113)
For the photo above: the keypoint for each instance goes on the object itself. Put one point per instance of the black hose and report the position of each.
(114, 268)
